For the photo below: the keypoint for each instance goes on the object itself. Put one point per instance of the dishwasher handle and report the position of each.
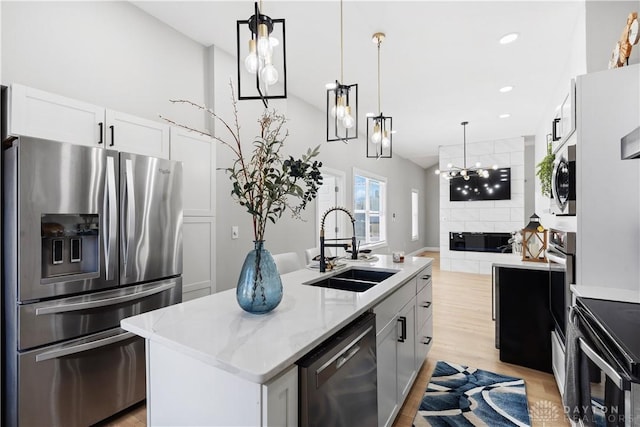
(342, 356)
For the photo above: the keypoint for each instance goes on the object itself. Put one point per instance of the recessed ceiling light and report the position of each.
(508, 38)
(504, 116)
(506, 89)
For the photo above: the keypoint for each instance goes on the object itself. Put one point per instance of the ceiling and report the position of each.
(441, 62)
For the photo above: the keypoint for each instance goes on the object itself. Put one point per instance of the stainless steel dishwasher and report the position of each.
(338, 384)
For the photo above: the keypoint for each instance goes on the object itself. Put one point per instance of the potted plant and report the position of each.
(545, 171)
(266, 183)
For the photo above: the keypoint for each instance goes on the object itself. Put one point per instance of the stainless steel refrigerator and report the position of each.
(90, 236)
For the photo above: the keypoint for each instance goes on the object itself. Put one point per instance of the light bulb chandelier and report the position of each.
(342, 103)
(257, 49)
(379, 127)
(464, 172)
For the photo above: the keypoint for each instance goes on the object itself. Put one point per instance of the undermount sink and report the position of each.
(354, 280)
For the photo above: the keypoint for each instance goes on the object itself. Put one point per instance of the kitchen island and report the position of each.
(210, 363)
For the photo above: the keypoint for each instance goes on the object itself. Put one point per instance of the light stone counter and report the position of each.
(516, 262)
(608, 293)
(217, 332)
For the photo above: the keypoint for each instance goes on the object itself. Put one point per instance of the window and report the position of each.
(414, 215)
(369, 204)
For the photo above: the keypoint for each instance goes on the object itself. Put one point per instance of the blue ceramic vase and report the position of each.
(259, 287)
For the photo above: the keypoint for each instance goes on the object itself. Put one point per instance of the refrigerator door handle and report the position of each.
(128, 232)
(110, 217)
(67, 351)
(105, 302)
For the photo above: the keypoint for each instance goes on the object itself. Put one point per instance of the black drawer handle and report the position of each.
(403, 330)
(426, 277)
(101, 126)
(427, 304)
(427, 341)
(112, 136)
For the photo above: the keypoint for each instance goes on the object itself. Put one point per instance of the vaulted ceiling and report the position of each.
(441, 62)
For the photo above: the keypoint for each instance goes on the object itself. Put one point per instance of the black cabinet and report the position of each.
(523, 319)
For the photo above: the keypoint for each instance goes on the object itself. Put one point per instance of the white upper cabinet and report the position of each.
(46, 115)
(132, 134)
(198, 155)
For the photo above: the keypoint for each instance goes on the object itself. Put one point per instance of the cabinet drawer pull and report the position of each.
(403, 330)
(426, 277)
(101, 127)
(427, 340)
(112, 136)
(427, 304)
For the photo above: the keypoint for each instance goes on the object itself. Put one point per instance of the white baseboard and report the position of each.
(425, 249)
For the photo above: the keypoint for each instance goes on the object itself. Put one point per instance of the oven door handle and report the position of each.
(104, 302)
(557, 259)
(67, 351)
(600, 363)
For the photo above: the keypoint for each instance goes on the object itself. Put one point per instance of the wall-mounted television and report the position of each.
(496, 187)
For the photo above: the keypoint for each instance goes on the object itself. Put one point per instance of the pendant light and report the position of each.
(261, 57)
(342, 102)
(379, 127)
(464, 172)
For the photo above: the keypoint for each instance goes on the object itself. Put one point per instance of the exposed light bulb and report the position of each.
(466, 178)
(340, 107)
(376, 137)
(385, 139)
(348, 121)
(265, 49)
(449, 165)
(437, 171)
(463, 172)
(478, 164)
(251, 61)
(269, 74)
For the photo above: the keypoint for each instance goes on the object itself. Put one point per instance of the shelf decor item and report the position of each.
(534, 240)
(261, 57)
(266, 184)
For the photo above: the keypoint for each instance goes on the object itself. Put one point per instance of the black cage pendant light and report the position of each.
(342, 103)
(379, 127)
(261, 57)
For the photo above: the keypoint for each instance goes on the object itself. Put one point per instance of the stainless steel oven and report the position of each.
(608, 377)
(561, 251)
(563, 179)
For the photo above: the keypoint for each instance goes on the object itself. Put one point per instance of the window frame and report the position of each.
(382, 212)
(415, 215)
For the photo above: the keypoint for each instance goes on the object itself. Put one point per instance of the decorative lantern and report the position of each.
(534, 240)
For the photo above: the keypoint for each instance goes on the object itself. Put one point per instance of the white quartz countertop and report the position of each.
(608, 293)
(215, 330)
(516, 262)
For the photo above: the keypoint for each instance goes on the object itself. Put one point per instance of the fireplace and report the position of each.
(480, 242)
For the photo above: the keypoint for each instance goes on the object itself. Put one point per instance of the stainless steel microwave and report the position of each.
(563, 180)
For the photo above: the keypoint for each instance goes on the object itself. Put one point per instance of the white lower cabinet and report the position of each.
(179, 381)
(406, 349)
(198, 245)
(280, 400)
(401, 322)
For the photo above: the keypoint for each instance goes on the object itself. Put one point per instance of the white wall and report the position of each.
(487, 215)
(107, 53)
(307, 128)
(433, 210)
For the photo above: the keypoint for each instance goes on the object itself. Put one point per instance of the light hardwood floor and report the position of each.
(464, 334)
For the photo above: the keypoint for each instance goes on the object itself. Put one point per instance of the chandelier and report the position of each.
(465, 172)
(342, 103)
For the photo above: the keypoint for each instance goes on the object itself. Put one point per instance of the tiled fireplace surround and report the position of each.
(476, 216)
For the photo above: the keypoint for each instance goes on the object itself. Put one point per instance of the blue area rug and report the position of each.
(461, 396)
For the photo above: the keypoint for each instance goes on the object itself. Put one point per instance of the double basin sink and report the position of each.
(354, 279)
